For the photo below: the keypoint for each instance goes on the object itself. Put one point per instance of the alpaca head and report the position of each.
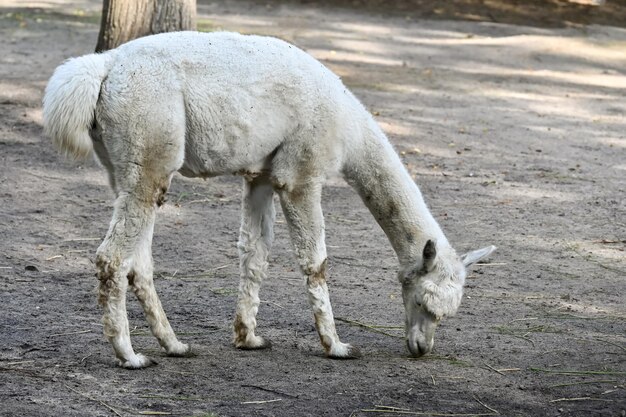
(432, 289)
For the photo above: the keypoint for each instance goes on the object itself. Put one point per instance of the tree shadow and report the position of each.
(537, 13)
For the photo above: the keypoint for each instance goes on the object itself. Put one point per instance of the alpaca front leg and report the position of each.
(255, 240)
(319, 298)
(303, 211)
(142, 283)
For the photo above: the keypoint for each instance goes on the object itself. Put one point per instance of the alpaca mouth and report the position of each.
(420, 337)
(419, 346)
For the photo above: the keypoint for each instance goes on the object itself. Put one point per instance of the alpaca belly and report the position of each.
(211, 158)
(227, 138)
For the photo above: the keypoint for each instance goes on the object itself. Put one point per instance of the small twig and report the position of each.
(68, 333)
(262, 402)
(493, 369)
(485, 405)
(85, 358)
(269, 390)
(54, 257)
(154, 413)
(93, 399)
(433, 378)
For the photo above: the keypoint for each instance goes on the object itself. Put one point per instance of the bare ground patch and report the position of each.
(515, 135)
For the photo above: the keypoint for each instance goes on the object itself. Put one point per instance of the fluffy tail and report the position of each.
(69, 103)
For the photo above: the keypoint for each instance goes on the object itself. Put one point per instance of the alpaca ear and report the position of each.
(428, 256)
(476, 255)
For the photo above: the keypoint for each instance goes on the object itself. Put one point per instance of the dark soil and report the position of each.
(516, 135)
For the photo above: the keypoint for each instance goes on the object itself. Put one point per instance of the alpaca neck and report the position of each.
(376, 172)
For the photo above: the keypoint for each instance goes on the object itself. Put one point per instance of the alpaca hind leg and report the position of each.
(114, 263)
(141, 282)
(255, 240)
(303, 212)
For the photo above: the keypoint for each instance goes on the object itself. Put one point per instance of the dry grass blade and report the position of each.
(524, 319)
(569, 384)
(69, 333)
(513, 332)
(273, 303)
(262, 401)
(404, 411)
(557, 372)
(102, 403)
(369, 327)
(26, 372)
(154, 413)
(389, 407)
(426, 413)
(580, 399)
(180, 372)
(169, 397)
(18, 363)
(610, 343)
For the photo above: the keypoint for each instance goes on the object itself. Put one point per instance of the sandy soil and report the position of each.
(516, 136)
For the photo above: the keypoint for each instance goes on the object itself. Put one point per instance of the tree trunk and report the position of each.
(123, 20)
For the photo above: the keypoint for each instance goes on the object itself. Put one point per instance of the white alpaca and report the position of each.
(222, 103)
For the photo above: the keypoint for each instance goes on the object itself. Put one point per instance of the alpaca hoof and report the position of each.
(258, 343)
(344, 351)
(180, 350)
(138, 361)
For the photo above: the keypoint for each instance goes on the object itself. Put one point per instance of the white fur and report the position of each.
(223, 103)
(255, 241)
(70, 102)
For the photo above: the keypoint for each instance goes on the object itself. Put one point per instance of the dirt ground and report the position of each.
(516, 135)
